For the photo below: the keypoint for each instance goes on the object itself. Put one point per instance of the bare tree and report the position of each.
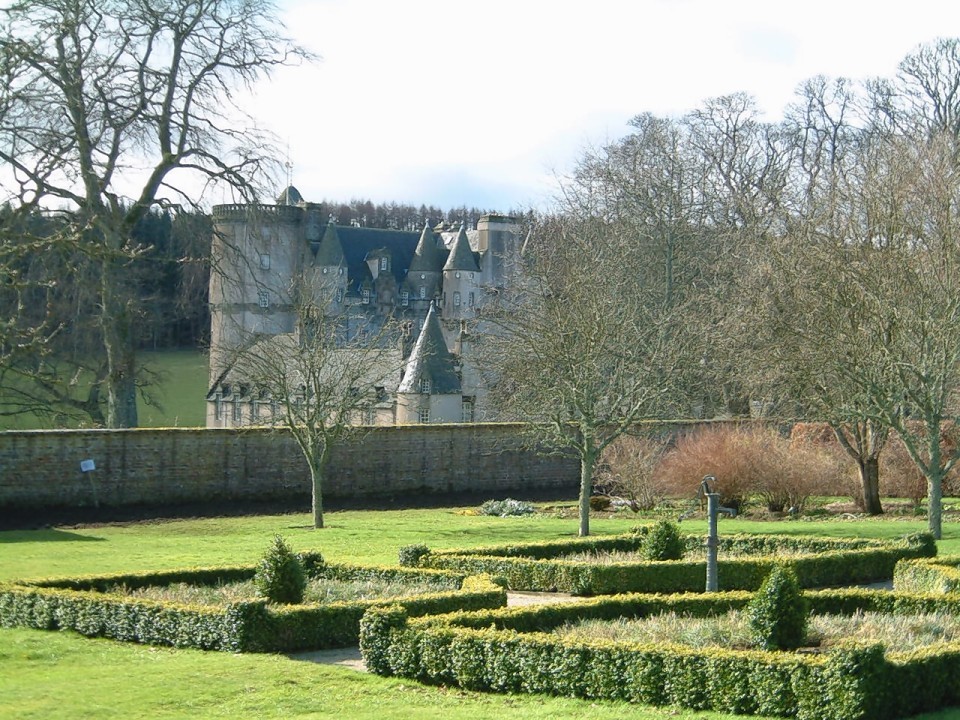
(110, 107)
(318, 383)
(585, 348)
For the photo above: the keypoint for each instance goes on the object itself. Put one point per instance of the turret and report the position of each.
(328, 281)
(460, 279)
(423, 278)
(430, 391)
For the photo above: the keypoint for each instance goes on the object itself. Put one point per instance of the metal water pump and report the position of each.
(713, 510)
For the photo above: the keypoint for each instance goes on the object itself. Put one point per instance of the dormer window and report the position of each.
(425, 386)
(384, 264)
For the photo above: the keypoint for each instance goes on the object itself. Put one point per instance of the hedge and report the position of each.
(510, 651)
(536, 567)
(939, 575)
(90, 607)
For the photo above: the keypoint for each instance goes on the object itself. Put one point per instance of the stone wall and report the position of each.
(42, 469)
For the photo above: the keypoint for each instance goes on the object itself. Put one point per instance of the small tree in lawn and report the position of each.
(321, 380)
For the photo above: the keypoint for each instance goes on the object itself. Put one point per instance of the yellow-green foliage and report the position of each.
(510, 651)
(541, 567)
(938, 575)
(84, 605)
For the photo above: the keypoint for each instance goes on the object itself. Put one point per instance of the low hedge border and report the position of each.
(936, 575)
(510, 651)
(534, 566)
(87, 606)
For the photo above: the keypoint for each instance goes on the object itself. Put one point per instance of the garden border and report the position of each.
(84, 605)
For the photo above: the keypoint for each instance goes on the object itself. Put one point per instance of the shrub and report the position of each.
(664, 542)
(280, 577)
(745, 461)
(507, 508)
(778, 612)
(628, 471)
(409, 555)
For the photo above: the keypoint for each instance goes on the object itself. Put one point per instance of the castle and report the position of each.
(432, 282)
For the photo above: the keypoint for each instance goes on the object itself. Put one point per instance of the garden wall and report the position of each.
(42, 469)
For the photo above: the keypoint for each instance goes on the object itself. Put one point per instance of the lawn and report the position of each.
(177, 392)
(60, 675)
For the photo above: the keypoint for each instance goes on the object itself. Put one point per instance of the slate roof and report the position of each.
(428, 257)
(431, 359)
(330, 250)
(290, 196)
(461, 256)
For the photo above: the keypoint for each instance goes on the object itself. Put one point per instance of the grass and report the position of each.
(179, 391)
(60, 675)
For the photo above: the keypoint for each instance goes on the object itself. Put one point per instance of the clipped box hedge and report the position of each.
(932, 575)
(87, 606)
(540, 567)
(510, 651)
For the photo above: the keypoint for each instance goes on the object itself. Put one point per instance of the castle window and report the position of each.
(339, 294)
(383, 264)
(467, 409)
(254, 410)
(339, 271)
(368, 418)
(404, 298)
(470, 300)
(237, 410)
(218, 406)
(263, 297)
(458, 273)
(325, 271)
(425, 386)
(423, 292)
(365, 295)
(264, 261)
(423, 415)
(456, 298)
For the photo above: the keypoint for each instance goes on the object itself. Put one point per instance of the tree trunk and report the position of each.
(869, 471)
(587, 461)
(935, 500)
(318, 468)
(118, 341)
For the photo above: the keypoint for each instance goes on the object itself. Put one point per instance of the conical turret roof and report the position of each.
(330, 251)
(430, 359)
(461, 256)
(426, 258)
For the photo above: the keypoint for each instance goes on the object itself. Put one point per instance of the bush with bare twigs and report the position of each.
(746, 461)
(628, 471)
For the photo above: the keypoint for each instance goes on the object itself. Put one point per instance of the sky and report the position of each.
(485, 104)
